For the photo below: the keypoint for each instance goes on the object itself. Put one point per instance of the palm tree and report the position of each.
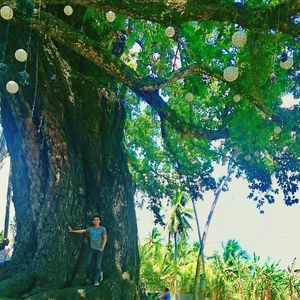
(178, 225)
(156, 269)
(233, 251)
(235, 258)
(153, 242)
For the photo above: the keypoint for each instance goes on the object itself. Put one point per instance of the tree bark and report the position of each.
(68, 163)
(200, 279)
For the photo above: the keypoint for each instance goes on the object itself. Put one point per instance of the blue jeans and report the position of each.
(94, 261)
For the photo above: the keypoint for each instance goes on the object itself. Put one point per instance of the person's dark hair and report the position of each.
(167, 290)
(95, 216)
(2, 246)
(6, 242)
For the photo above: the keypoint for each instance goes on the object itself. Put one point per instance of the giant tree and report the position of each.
(85, 77)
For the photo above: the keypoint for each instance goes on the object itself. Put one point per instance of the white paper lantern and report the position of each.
(189, 97)
(277, 129)
(239, 38)
(21, 55)
(256, 154)
(110, 16)
(247, 157)
(273, 77)
(231, 73)
(236, 98)
(12, 87)
(287, 64)
(68, 10)
(170, 31)
(6, 12)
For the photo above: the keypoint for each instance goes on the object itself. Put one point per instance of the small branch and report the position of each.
(192, 130)
(211, 212)
(88, 48)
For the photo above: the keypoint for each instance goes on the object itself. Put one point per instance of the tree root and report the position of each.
(17, 285)
(108, 289)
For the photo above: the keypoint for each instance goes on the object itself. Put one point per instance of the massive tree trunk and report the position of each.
(68, 163)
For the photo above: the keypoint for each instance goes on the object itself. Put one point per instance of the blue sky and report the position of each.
(274, 234)
(3, 187)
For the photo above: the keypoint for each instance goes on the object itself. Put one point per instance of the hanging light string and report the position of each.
(37, 64)
(36, 77)
(5, 43)
(28, 48)
(3, 66)
(276, 40)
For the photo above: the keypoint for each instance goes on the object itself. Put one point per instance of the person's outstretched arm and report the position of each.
(78, 231)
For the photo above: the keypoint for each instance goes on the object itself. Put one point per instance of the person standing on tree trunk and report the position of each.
(98, 239)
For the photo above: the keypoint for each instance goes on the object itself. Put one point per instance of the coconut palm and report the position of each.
(153, 242)
(178, 225)
(233, 251)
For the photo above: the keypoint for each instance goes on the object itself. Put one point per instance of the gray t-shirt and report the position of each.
(96, 236)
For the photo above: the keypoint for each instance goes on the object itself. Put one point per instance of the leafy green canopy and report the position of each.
(173, 142)
(167, 158)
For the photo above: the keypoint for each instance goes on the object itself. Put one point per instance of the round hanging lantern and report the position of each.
(110, 16)
(287, 64)
(21, 55)
(247, 157)
(12, 87)
(277, 129)
(68, 10)
(6, 12)
(189, 97)
(231, 73)
(236, 98)
(256, 153)
(170, 31)
(239, 38)
(273, 77)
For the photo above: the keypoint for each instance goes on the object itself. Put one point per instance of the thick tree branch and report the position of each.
(78, 42)
(89, 49)
(199, 68)
(176, 12)
(166, 113)
(144, 87)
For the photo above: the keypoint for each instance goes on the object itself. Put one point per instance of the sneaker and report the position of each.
(96, 283)
(101, 276)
